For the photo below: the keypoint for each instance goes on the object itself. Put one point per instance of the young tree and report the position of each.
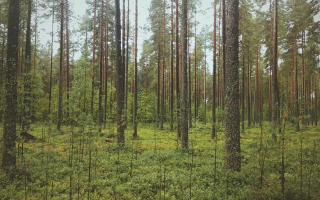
(10, 114)
(184, 78)
(231, 90)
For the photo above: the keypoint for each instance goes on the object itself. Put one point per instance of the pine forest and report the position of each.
(149, 99)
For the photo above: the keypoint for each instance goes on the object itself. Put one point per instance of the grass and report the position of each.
(155, 167)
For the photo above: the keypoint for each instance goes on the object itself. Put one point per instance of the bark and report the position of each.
(195, 74)
(249, 90)
(275, 90)
(171, 69)
(223, 48)
(163, 65)
(93, 56)
(9, 128)
(100, 117)
(135, 104)
(106, 62)
(296, 84)
(214, 102)
(60, 71)
(231, 90)
(51, 63)
(184, 79)
(177, 71)
(120, 79)
(68, 60)
(205, 86)
(27, 75)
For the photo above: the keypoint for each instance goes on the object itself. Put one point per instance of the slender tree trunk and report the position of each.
(27, 75)
(214, 102)
(158, 83)
(120, 79)
(106, 63)
(296, 84)
(231, 97)
(249, 89)
(60, 70)
(177, 71)
(275, 95)
(171, 69)
(93, 55)
(124, 57)
(189, 66)
(51, 63)
(195, 73)
(68, 60)
(184, 79)
(242, 82)
(9, 127)
(223, 7)
(135, 105)
(100, 117)
(127, 62)
(163, 64)
(205, 86)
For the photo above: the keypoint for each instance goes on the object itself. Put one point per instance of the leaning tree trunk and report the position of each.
(231, 90)
(10, 114)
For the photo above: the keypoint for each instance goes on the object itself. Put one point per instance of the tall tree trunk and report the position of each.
(106, 63)
(275, 90)
(297, 110)
(184, 79)
(27, 76)
(127, 62)
(100, 117)
(231, 98)
(68, 60)
(9, 127)
(120, 79)
(163, 65)
(177, 71)
(135, 105)
(195, 73)
(242, 82)
(158, 83)
(249, 89)
(205, 86)
(124, 56)
(214, 102)
(93, 55)
(224, 37)
(171, 69)
(60, 70)
(51, 62)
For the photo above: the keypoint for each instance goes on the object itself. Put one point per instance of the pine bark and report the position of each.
(100, 114)
(93, 56)
(60, 69)
(177, 71)
(171, 69)
(9, 128)
(214, 102)
(135, 105)
(231, 90)
(120, 79)
(184, 79)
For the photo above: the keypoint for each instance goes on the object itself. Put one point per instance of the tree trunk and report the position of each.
(106, 63)
(68, 61)
(171, 69)
(184, 79)
(100, 116)
(275, 90)
(205, 86)
(214, 102)
(135, 104)
(163, 64)
(177, 71)
(296, 84)
(9, 128)
(231, 97)
(27, 75)
(120, 79)
(223, 7)
(60, 71)
(51, 63)
(93, 55)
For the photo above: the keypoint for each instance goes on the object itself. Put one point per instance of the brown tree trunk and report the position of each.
(231, 92)
(135, 105)
(68, 62)
(177, 71)
(51, 63)
(163, 65)
(60, 70)
(214, 102)
(93, 55)
(100, 113)
(171, 69)
(205, 86)
(106, 62)
(297, 110)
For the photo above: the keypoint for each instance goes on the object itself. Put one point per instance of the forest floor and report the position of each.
(81, 163)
